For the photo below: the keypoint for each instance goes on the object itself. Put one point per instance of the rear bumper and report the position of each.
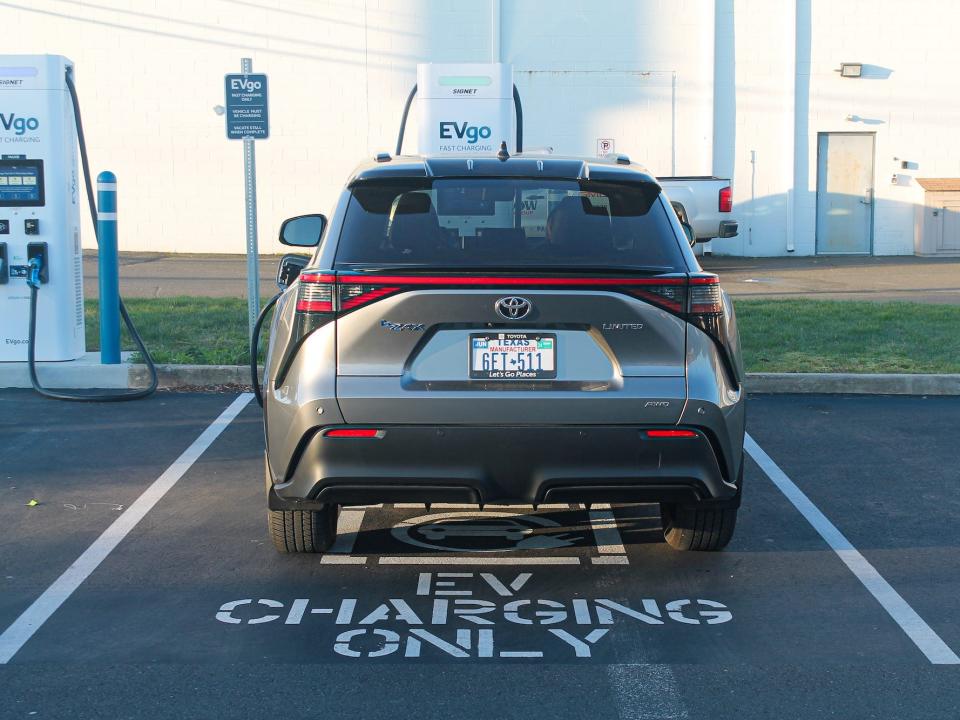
(500, 464)
(729, 228)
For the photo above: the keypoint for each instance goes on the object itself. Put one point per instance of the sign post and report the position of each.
(247, 120)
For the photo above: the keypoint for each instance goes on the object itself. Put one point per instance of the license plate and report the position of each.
(513, 356)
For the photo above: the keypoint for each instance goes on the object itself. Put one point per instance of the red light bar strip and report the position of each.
(656, 299)
(367, 297)
(354, 433)
(671, 433)
(712, 280)
(317, 278)
(504, 281)
(324, 306)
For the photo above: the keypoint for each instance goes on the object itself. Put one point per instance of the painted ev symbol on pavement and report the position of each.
(488, 532)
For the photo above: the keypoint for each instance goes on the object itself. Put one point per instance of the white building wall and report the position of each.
(760, 129)
(640, 73)
(787, 91)
(150, 73)
(755, 82)
(909, 96)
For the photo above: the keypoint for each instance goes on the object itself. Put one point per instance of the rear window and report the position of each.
(505, 223)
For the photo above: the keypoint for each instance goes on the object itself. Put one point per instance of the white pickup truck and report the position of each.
(705, 203)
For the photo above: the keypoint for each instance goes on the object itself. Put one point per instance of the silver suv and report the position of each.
(479, 330)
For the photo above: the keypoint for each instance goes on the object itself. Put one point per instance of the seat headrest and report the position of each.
(570, 228)
(413, 203)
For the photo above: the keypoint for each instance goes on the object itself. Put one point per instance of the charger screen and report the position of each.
(21, 183)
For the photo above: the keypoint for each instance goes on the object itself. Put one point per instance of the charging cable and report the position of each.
(255, 347)
(36, 267)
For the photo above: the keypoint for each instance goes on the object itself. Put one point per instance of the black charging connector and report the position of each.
(4, 266)
(39, 250)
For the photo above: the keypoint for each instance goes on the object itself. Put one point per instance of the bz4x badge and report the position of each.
(400, 327)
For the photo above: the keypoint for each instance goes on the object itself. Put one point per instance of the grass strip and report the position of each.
(777, 335)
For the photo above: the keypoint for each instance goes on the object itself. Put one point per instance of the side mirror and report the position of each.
(289, 270)
(688, 231)
(303, 231)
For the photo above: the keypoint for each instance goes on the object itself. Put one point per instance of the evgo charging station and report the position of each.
(39, 209)
(41, 263)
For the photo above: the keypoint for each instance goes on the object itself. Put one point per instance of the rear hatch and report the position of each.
(509, 301)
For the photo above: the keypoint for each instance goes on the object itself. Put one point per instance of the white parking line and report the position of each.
(605, 531)
(343, 559)
(610, 560)
(23, 628)
(476, 560)
(460, 506)
(348, 526)
(906, 617)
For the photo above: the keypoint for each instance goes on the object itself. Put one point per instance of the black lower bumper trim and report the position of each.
(623, 494)
(507, 464)
(372, 494)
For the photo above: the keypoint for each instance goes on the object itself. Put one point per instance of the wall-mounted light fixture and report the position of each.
(850, 70)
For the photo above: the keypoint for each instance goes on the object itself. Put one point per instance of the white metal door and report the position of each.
(844, 193)
(949, 239)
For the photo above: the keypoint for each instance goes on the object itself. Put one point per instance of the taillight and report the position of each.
(320, 294)
(353, 295)
(706, 311)
(726, 199)
(670, 297)
(316, 306)
(705, 296)
(706, 306)
(315, 294)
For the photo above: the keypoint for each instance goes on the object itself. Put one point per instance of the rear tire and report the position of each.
(303, 531)
(694, 527)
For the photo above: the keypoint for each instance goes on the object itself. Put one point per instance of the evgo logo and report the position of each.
(473, 133)
(19, 125)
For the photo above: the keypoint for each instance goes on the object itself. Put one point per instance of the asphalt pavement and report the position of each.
(183, 609)
(935, 280)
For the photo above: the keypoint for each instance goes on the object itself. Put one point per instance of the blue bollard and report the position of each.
(109, 269)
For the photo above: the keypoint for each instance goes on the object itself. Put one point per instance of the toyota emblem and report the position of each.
(513, 308)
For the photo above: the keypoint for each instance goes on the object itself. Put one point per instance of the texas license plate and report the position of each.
(513, 356)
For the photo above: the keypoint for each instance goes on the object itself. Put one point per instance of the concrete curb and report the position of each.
(185, 376)
(86, 371)
(853, 383)
(90, 374)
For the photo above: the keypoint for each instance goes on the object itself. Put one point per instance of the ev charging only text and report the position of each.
(447, 618)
